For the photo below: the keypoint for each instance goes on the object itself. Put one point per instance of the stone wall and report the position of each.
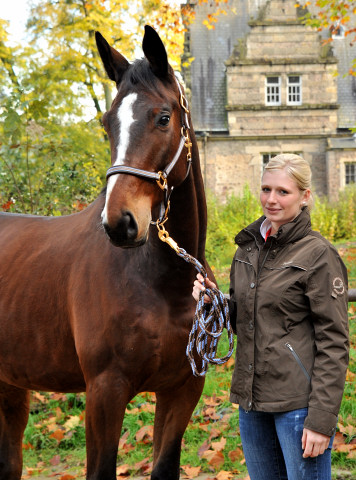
(230, 163)
(339, 152)
(246, 83)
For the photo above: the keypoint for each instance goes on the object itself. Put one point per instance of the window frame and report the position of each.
(290, 86)
(338, 31)
(350, 175)
(269, 155)
(278, 85)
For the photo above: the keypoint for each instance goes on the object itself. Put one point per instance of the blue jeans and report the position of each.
(272, 445)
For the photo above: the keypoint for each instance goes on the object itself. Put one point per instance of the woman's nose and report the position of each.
(272, 197)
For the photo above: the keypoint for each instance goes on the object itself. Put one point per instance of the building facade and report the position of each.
(263, 83)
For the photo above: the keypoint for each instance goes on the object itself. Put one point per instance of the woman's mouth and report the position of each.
(273, 210)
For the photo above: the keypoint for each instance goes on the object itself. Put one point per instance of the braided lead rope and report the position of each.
(208, 324)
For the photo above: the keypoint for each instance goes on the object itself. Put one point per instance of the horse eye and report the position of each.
(164, 120)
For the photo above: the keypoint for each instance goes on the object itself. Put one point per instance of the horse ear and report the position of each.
(155, 52)
(115, 64)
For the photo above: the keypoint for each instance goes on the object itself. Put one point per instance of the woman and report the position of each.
(288, 308)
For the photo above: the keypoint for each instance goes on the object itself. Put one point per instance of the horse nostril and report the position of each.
(125, 232)
(128, 224)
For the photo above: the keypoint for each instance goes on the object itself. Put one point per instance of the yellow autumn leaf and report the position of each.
(72, 422)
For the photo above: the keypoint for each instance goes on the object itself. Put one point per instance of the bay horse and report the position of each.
(77, 313)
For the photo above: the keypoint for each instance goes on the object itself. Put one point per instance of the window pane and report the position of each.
(273, 91)
(350, 173)
(272, 79)
(294, 90)
(266, 157)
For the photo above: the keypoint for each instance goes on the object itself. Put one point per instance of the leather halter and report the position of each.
(161, 176)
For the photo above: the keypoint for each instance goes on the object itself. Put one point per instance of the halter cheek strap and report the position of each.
(161, 176)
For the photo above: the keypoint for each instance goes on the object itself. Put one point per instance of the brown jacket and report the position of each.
(288, 304)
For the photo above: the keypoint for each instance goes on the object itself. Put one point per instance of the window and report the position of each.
(266, 157)
(350, 173)
(337, 31)
(294, 90)
(273, 90)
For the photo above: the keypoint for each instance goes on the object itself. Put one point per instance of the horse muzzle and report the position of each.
(125, 233)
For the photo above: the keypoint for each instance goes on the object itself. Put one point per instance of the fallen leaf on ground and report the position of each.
(57, 435)
(235, 455)
(190, 472)
(123, 469)
(55, 460)
(204, 447)
(220, 445)
(145, 434)
(224, 475)
(214, 458)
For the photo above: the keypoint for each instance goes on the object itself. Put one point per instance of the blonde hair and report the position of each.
(296, 168)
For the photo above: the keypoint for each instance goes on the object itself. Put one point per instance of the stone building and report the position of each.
(263, 83)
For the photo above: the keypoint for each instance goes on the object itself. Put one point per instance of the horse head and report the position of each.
(146, 125)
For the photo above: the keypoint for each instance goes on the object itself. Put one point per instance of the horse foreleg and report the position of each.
(104, 413)
(14, 410)
(173, 412)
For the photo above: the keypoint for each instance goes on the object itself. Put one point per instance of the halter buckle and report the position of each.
(188, 143)
(162, 181)
(184, 103)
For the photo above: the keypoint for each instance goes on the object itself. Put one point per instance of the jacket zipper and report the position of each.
(295, 355)
(263, 262)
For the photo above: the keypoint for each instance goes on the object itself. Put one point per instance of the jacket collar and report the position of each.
(289, 232)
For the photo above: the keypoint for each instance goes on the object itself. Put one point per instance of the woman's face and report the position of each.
(281, 198)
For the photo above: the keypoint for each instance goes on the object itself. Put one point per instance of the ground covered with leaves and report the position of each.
(54, 440)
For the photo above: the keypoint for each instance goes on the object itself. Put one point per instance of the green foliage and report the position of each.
(225, 220)
(335, 221)
(48, 167)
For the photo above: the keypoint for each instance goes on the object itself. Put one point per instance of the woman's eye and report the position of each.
(265, 189)
(164, 120)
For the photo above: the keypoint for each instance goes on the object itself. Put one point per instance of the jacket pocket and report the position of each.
(298, 360)
(288, 265)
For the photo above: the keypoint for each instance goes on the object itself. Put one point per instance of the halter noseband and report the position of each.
(161, 176)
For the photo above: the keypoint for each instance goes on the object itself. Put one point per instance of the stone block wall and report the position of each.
(230, 163)
(246, 83)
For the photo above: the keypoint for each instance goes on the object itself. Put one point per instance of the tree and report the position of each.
(332, 15)
(53, 153)
(53, 156)
(216, 8)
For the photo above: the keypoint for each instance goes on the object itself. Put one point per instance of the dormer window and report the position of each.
(337, 31)
(273, 90)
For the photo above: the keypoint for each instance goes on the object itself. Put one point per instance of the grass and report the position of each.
(54, 441)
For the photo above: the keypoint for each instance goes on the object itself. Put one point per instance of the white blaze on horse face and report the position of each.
(126, 119)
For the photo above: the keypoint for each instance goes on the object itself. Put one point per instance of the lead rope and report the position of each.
(209, 319)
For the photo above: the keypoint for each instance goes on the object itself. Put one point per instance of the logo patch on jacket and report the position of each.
(338, 287)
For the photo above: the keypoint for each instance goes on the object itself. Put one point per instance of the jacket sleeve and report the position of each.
(327, 293)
